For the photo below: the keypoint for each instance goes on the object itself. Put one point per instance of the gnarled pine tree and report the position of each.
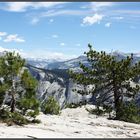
(16, 77)
(110, 77)
(11, 65)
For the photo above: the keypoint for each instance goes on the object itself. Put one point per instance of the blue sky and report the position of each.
(62, 30)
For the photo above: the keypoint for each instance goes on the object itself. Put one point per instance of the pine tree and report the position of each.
(17, 82)
(11, 65)
(111, 78)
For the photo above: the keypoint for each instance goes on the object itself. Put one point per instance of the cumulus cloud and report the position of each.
(89, 20)
(19, 51)
(3, 33)
(13, 38)
(108, 24)
(17, 6)
(24, 6)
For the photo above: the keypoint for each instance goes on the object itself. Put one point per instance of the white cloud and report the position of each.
(52, 13)
(3, 33)
(54, 36)
(19, 51)
(101, 4)
(62, 44)
(108, 24)
(98, 5)
(89, 20)
(56, 12)
(24, 6)
(45, 4)
(50, 55)
(17, 6)
(46, 54)
(40, 54)
(13, 37)
(57, 55)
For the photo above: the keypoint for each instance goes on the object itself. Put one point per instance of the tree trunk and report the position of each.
(13, 102)
(117, 105)
(116, 97)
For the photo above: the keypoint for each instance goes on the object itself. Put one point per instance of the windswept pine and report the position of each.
(18, 85)
(110, 77)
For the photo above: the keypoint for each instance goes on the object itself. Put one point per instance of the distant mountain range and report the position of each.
(54, 79)
(74, 63)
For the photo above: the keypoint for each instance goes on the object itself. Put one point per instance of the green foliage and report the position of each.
(12, 118)
(18, 119)
(3, 88)
(108, 109)
(28, 100)
(51, 106)
(110, 77)
(11, 65)
(130, 112)
(4, 114)
(29, 83)
(20, 85)
(32, 103)
(33, 113)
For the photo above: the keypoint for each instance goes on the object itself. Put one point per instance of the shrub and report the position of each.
(16, 118)
(12, 118)
(32, 113)
(26, 104)
(4, 114)
(130, 112)
(51, 106)
(19, 119)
